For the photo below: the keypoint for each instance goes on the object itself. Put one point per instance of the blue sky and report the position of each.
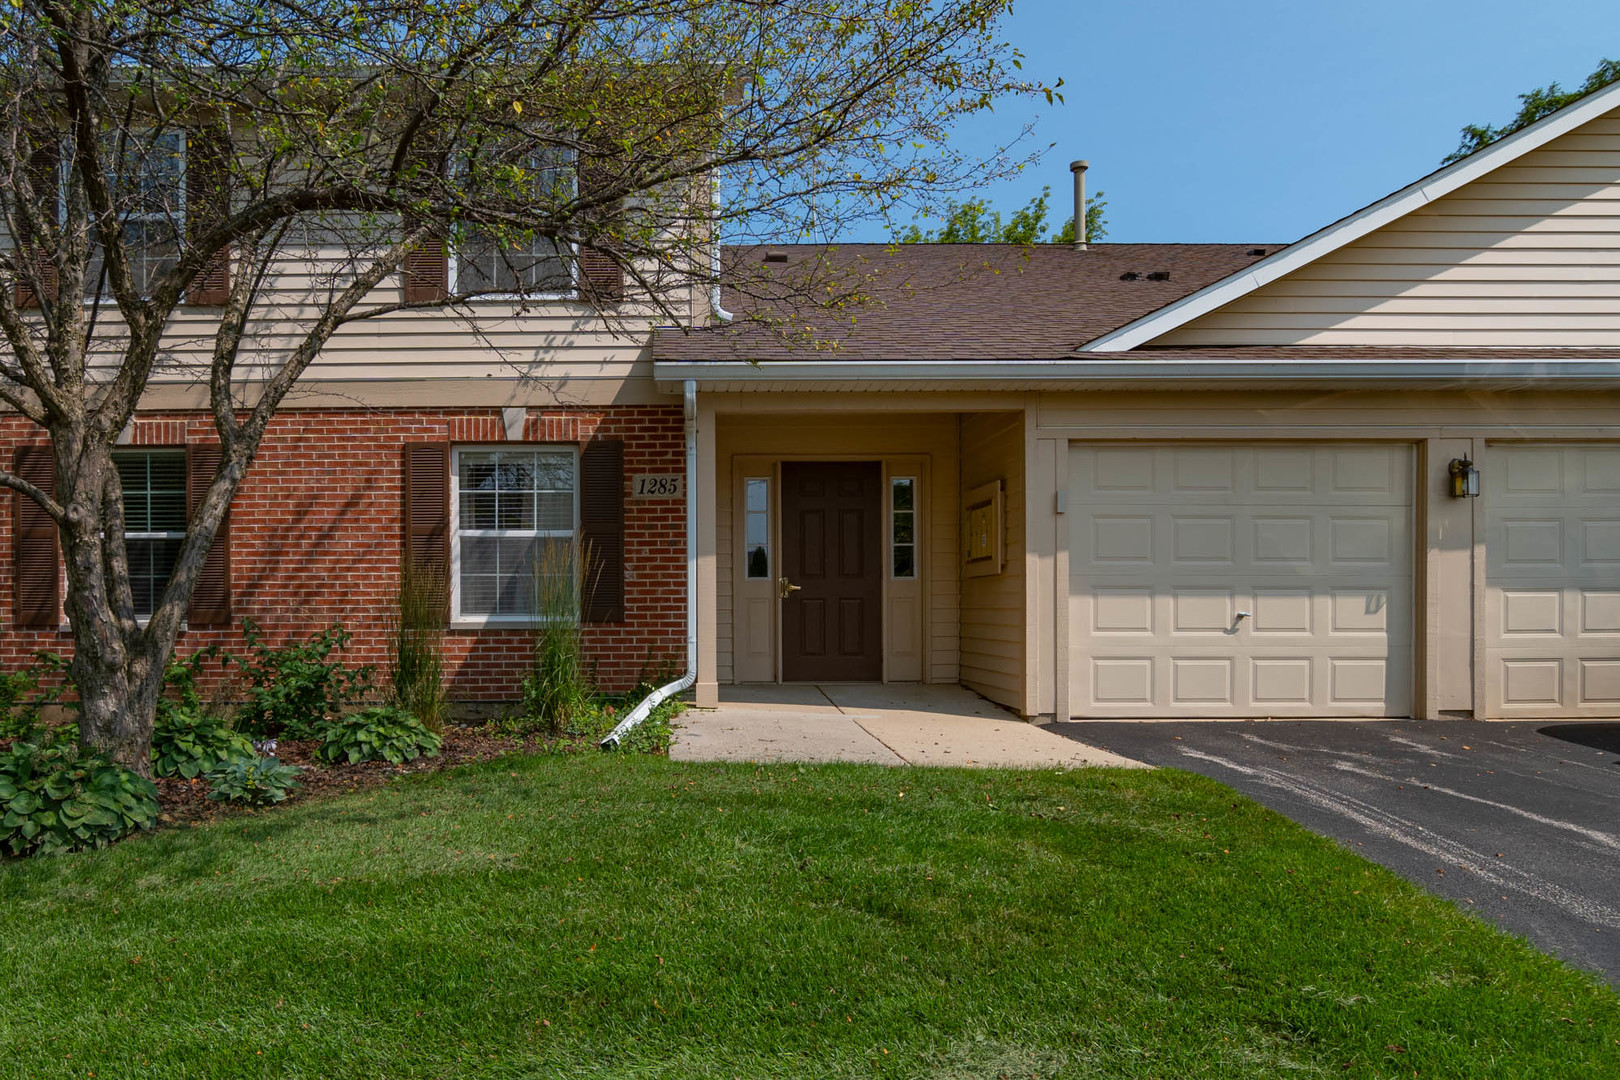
(1263, 121)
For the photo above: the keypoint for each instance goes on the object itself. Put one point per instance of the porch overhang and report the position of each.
(1192, 373)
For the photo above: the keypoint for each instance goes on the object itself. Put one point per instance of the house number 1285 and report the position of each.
(657, 487)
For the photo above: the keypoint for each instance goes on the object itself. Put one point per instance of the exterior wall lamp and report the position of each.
(1464, 479)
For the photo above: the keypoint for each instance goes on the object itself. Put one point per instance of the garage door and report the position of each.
(1231, 581)
(1552, 598)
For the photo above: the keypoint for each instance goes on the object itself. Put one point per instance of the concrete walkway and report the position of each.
(884, 725)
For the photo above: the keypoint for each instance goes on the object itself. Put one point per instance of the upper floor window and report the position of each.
(515, 262)
(154, 483)
(147, 172)
(513, 536)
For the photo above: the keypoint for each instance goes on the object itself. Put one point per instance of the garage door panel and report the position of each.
(1196, 472)
(1600, 542)
(1600, 611)
(1311, 543)
(1552, 600)
(1203, 540)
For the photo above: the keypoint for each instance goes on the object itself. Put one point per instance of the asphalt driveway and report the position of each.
(1517, 822)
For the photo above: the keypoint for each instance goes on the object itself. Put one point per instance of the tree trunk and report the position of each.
(116, 669)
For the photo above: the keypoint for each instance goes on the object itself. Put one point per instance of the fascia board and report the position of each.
(1349, 229)
(1039, 374)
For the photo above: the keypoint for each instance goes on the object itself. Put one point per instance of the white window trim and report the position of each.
(452, 271)
(129, 535)
(99, 299)
(479, 621)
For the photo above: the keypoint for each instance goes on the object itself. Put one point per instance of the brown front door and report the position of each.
(832, 626)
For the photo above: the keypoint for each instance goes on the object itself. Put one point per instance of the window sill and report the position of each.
(498, 622)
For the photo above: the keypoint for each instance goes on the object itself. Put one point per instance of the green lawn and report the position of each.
(616, 915)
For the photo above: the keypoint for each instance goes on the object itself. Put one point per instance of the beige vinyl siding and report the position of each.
(555, 339)
(1528, 255)
(993, 622)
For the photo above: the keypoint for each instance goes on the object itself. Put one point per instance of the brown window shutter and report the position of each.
(601, 276)
(208, 202)
(211, 595)
(426, 270)
(601, 528)
(35, 569)
(45, 176)
(427, 506)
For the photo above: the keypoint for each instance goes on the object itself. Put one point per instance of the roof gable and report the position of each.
(1518, 241)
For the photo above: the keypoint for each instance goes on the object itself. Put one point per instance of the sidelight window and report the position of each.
(757, 528)
(903, 526)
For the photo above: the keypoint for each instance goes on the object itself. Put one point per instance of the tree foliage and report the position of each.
(326, 142)
(975, 221)
(1540, 102)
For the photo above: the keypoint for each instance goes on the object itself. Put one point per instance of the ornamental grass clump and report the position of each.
(56, 798)
(378, 733)
(416, 644)
(558, 688)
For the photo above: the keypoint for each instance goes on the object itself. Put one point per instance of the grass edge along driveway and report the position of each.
(611, 915)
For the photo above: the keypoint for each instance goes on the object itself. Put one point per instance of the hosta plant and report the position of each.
(257, 781)
(191, 744)
(378, 733)
(55, 798)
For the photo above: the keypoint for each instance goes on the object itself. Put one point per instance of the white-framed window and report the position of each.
(756, 528)
(903, 526)
(154, 483)
(506, 266)
(514, 518)
(148, 174)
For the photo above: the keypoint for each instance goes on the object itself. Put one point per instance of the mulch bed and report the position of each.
(186, 802)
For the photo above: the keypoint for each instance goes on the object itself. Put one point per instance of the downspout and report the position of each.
(685, 682)
(714, 260)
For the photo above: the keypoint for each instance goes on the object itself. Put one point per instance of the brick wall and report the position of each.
(316, 533)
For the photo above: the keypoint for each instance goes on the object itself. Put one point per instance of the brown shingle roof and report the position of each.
(946, 301)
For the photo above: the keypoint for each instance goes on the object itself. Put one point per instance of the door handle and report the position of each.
(1240, 617)
(785, 588)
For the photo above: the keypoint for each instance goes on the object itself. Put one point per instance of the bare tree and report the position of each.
(281, 164)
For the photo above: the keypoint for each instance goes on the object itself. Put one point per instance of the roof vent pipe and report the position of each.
(1078, 168)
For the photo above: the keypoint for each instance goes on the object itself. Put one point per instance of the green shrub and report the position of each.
(378, 733)
(181, 697)
(291, 691)
(191, 744)
(557, 690)
(416, 644)
(257, 781)
(24, 694)
(54, 798)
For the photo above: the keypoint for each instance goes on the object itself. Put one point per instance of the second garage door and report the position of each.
(1221, 580)
(1552, 603)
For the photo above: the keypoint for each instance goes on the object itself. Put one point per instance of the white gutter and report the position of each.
(991, 374)
(685, 682)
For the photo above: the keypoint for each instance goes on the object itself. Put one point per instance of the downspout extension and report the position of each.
(636, 715)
